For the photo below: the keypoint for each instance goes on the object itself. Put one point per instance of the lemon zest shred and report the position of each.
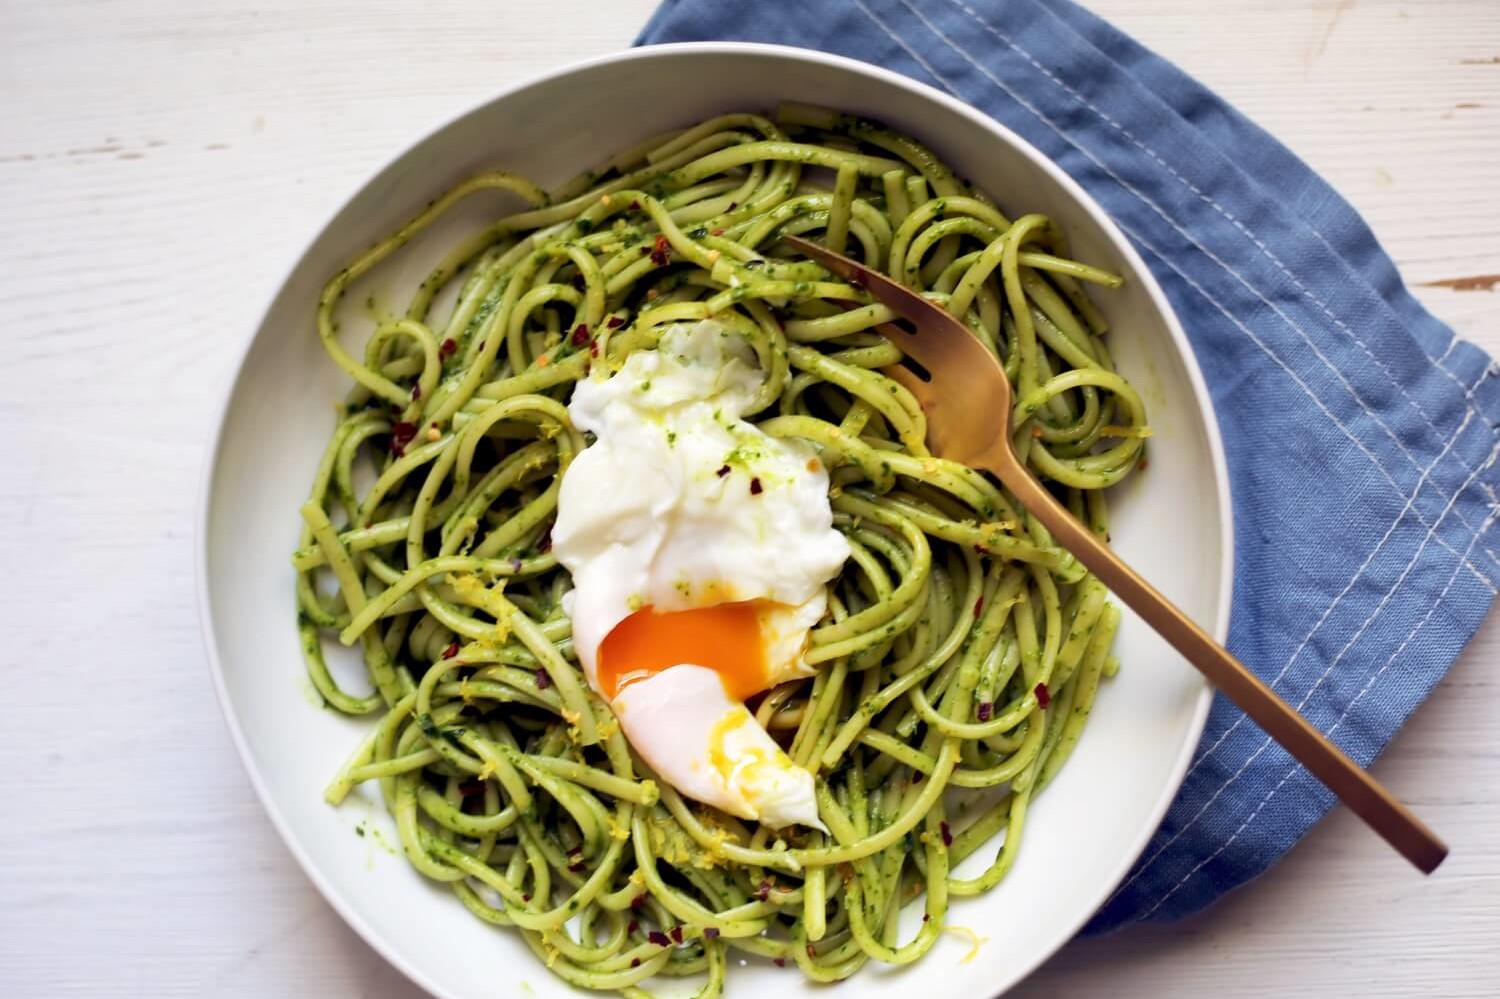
(974, 940)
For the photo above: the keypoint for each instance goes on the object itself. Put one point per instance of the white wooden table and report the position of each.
(161, 161)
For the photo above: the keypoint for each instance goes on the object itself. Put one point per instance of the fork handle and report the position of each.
(1362, 793)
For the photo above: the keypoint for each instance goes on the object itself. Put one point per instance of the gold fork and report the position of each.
(962, 370)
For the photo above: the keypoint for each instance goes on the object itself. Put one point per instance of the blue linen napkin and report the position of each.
(1361, 434)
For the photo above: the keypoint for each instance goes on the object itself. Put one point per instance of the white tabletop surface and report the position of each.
(162, 161)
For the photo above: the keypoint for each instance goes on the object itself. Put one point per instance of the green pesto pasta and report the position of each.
(962, 650)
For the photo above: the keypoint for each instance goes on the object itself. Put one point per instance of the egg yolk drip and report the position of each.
(726, 638)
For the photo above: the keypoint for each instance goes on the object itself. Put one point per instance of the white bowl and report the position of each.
(1172, 523)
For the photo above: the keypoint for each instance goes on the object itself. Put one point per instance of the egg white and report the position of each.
(709, 747)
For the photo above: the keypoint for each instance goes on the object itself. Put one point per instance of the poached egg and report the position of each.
(700, 550)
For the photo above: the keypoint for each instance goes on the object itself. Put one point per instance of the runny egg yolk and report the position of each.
(725, 638)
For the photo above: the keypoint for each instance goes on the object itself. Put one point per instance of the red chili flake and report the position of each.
(580, 334)
(1043, 696)
(416, 392)
(451, 650)
(615, 322)
(947, 833)
(526, 897)
(755, 486)
(469, 788)
(978, 606)
(718, 232)
(676, 934)
(448, 348)
(763, 890)
(659, 938)
(661, 251)
(986, 710)
(711, 933)
(544, 545)
(593, 348)
(543, 681)
(780, 962)
(401, 435)
(981, 549)
(811, 952)
(632, 926)
(638, 901)
(723, 471)
(635, 962)
(635, 206)
(576, 866)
